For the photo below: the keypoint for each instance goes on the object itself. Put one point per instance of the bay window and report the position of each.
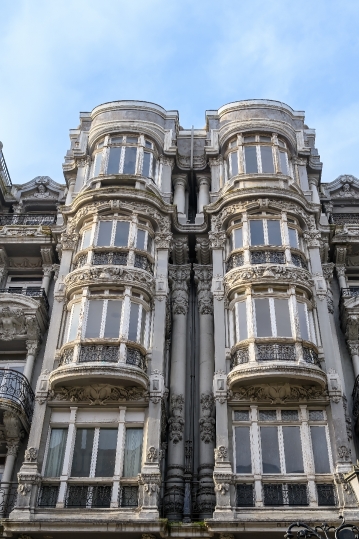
(265, 232)
(272, 317)
(103, 319)
(113, 233)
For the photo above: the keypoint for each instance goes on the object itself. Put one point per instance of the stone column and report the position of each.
(165, 173)
(13, 435)
(179, 197)
(47, 271)
(354, 352)
(174, 497)
(203, 192)
(222, 474)
(30, 358)
(313, 186)
(206, 498)
(70, 191)
(340, 269)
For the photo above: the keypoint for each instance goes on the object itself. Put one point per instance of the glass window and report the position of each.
(86, 238)
(56, 452)
(283, 163)
(293, 237)
(263, 321)
(257, 232)
(132, 330)
(250, 138)
(113, 165)
(238, 238)
(267, 159)
(241, 322)
(250, 153)
(132, 140)
(282, 318)
(129, 166)
(148, 144)
(274, 233)
(320, 450)
(233, 159)
(104, 233)
(292, 450)
(113, 319)
(81, 462)
(94, 317)
(74, 324)
(97, 164)
(270, 450)
(141, 238)
(146, 164)
(143, 326)
(303, 324)
(243, 450)
(106, 453)
(116, 140)
(133, 452)
(122, 231)
(263, 138)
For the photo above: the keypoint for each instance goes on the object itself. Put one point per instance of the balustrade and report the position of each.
(267, 257)
(14, 387)
(245, 495)
(31, 291)
(142, 262)
(285, 494)
(88, 496)
(27, 219)
(276, 352)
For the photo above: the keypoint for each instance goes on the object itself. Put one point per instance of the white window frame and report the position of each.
(91, 227)
(70, 320)
(272, 316)
(113, 232)
(265, 230)
(258, 145)
(103, 316)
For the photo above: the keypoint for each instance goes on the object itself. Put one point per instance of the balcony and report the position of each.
(282, 361)
(115, 257)
(285, 494)
(109, 363)
(32, 292)
(16, 395)
(266, 255)
(27, 219)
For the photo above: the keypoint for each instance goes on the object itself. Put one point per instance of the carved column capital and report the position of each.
(353, 348)
(31, 346)
(217, 240)
(163, 240)
(47, 269)
(328, 271)
(340, 269)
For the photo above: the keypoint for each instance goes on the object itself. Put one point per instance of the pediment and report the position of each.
(345, 186)
(41, 188)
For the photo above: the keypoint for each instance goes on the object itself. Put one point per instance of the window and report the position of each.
(133, 452)
(144, 240)
(55, 453)
(272, 317)
(103, 318)
(303, 321)
(86, 238)
(236, 238)
(320, 449)
(94, 452)
(240, 317)
(113, 233)
(74, 321)
(265, 232)
(293, 237)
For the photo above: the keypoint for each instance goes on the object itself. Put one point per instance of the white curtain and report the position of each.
(133, 452)
(55, 455)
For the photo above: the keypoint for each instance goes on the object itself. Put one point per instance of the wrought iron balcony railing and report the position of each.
(103, 353)
(239, 357)
(31, 291)
(285, 494)
(267, 257)
(48, 495)
(355, 396)
(351, 292)
(14, 387)
(27, 219)
(142, 262)
(117, 258)
(326, 494)
(234, 261)
(345, 218)
(276, 352)
(310, 356)
(299, 261)
(88, 496)
(134, 357)
(245, 495)
(8, 497)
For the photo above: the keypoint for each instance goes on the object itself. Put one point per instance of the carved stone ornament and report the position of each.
(24, 488)
(207, 429)
(328, 271)
(226, 536)
(163, 240)
(176, 422)
(12, 447)
(12, 323)
(203, 278)
(340, 270)
(279, 393)
(223, 488)
(217, 240)
(353, 347)
(344, 453)
(152, 454)
(179, 276)
(220, 453)
(268, 272)
(114, 274)
(69, 241)
(98, 394)
(31, 454)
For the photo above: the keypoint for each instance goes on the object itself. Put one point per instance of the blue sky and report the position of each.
(60, 58)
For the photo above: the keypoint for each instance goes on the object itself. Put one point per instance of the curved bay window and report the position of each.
(258, 154)
(125, 154)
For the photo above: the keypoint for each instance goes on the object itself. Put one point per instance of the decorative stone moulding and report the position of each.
(21, 317)
(279, 393)
(98, 394)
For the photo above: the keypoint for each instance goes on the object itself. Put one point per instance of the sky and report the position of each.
(58, 59)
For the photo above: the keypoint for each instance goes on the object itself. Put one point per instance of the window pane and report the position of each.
(263, 138)
(242, 320)
(264, 328)
(121, 236)
(283, 163)
(251, 159)
(293, 450)
(86, 238)
(106, 454)
(141, 236)
(133, 452)
(114, 161)
(132, 140)
(234, 163)
(94, 317)
(250, 138)
(76, 309)
(243, 450)
(303, 321)
(56, 452)
(257, 234)
(282, 318)
(267, 159)
(104, 233)
(81, 462)
(320, 450)
(113, 319)
(146, 164)
(116, 140)
(143, 326)
(97, 164)
(274, 235)
(148, 144)
(154, 164)
(132, 330)
(293, 239)
(238, 238)
(129, 166)
(270, 450)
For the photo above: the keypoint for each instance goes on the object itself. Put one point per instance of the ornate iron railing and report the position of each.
(116, 258)
(4, 171)
(345, 218)
(67, 356)
(99, 353)
(239, 357)
(128, 496)
(267, 257)
(326, 494)
(299, 261)
(8, 497)
(285, 494)
(48, 495)
(142, 262)
(235, 261)
(351, 292)
(88, 496)
(245, 495)
(310, 356)
(27, 219)
(276, 352)
(14, 386)
(31, 291)
(134, 357)
(81, 261)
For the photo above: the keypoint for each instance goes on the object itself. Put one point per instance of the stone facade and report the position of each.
(179, 331)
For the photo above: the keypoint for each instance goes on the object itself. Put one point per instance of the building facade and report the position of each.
(179, 332)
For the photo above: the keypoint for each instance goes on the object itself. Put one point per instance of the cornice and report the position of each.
(276, 369)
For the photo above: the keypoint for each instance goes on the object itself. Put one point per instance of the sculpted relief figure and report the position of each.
(11, 323)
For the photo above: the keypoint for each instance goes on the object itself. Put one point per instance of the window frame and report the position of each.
(265, 231)
(113, 233)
